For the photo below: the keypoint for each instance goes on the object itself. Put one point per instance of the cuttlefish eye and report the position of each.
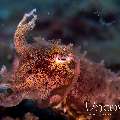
(67, 60)
(63, 59)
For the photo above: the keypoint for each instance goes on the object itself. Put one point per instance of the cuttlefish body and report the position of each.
(51, 72)
(44, 73)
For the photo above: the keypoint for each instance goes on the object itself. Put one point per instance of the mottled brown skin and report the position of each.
(95, 84)
(52, 74)
(39, 75)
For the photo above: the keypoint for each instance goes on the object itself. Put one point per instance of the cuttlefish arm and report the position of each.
(23, 28)
(8, 95)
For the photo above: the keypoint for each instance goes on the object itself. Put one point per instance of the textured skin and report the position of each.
(91, 85)
(42, 72)
(95, 84)
(52, 73)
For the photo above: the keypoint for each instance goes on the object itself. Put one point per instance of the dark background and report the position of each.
(92, 24)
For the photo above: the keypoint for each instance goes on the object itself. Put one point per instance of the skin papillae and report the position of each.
(43, 73)
(50, 73)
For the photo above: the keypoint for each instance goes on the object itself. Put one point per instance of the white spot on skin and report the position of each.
(3, 70)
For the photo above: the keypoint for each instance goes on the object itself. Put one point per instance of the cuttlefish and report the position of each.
(52, 72)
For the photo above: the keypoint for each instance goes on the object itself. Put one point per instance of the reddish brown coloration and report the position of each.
(91, 85)
(42, 72)
(94, 84)
(50, 74)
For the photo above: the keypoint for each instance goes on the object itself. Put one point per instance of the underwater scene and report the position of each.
(59, 60)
